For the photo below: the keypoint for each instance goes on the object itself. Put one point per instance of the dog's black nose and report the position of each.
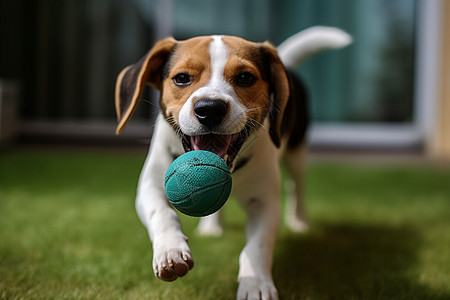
(210, 112)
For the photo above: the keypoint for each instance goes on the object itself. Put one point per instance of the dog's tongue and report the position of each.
(215, 143)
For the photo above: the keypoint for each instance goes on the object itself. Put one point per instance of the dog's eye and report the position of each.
(245, 79)
(182, 79)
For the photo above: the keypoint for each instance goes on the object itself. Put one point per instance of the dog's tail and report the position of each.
(300, 46)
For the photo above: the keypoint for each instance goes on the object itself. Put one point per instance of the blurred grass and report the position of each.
(68, 230)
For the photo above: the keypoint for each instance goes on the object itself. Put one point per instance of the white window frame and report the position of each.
(402, 136)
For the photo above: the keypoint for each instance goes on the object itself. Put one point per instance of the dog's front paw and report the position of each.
(252, 288)
(172, 258)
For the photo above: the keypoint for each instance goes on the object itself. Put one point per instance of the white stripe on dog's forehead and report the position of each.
(218, 87)
(219, 57)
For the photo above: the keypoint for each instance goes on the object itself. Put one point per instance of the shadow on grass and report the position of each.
(350, 262)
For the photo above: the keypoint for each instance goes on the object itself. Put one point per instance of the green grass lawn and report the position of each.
(68, 230)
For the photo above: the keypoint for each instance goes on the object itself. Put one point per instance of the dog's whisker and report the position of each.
(257, 108)
(252, 122)
(171, 120)
(147, 101)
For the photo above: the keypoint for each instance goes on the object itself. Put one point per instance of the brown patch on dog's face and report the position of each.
(190, 57)
(245, 72)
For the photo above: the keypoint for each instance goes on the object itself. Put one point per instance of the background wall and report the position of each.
(64, 56)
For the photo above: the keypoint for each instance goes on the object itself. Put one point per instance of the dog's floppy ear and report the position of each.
(279, 89)
(132, 80)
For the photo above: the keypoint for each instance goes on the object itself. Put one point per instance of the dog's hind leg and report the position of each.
(294, 162)
(211, 225)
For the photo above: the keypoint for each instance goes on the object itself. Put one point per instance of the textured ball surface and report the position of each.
(198, 183)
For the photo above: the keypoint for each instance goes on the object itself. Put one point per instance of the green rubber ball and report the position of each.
(198, 183)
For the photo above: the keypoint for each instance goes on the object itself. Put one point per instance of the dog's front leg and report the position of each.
(255, 261)
(171, 255)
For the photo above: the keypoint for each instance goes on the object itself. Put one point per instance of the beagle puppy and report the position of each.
(239, 100)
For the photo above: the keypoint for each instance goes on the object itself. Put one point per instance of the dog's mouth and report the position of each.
(226, 146)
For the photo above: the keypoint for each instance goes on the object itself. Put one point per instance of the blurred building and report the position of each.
(388, 90)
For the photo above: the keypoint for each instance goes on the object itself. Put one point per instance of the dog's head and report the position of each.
(215, 90)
